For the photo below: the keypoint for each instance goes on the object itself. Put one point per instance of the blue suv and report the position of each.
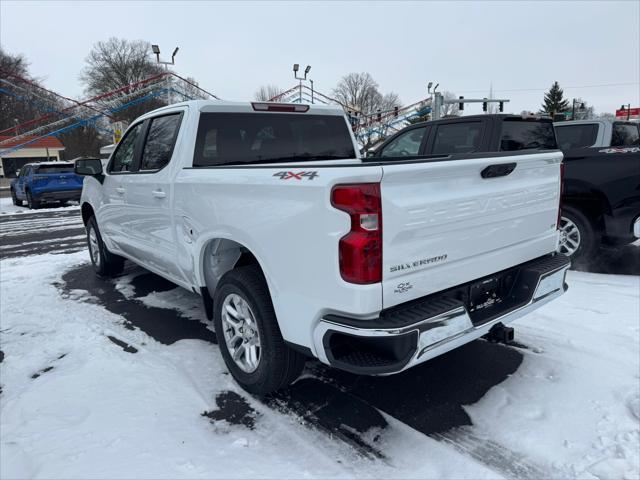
(38, 183)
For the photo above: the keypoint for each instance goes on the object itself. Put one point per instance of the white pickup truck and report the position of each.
(300, 248)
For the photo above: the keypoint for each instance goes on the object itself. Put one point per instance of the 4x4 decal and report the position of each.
(296, 175)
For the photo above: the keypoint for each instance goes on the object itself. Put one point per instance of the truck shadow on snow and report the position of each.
(620, 260)
(429, 398)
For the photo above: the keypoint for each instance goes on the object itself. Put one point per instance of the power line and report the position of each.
(547, 88)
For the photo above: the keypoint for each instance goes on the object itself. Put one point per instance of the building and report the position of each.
(42, 150)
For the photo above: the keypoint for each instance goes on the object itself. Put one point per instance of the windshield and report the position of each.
(246, 138)
(63, 168)
(521, 134)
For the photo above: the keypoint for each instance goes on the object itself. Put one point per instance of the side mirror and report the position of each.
(88, 166)
(17, 172)
(371, 152)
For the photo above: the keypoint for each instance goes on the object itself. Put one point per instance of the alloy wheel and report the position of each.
(569, 237)
(94, 247)
(240, 332)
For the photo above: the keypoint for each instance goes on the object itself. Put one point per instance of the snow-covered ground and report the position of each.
(7, 207)
(87, 395)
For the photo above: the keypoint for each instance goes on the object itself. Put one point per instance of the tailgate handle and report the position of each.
(499, 170)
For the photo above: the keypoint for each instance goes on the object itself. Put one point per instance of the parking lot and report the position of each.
(99, 375)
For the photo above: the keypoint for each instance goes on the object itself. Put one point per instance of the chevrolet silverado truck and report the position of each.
(300, 248)
(601, 200)
(45, 182)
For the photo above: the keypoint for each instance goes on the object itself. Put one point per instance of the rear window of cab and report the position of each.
(251, 138)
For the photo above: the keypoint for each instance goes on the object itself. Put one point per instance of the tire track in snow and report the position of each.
(36, 233)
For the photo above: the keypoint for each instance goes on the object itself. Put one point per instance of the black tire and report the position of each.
(105, 263)
(14, 198)
(278, 364)
(31, 202)
(590, 238)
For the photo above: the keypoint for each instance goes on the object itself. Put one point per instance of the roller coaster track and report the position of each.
(74, 113)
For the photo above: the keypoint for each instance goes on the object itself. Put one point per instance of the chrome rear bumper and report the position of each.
(388, 347)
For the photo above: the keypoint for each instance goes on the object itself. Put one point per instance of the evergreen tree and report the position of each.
(554, 101)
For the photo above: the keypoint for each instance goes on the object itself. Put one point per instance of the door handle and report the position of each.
(120, 190)
(499, 170)
(158, 194)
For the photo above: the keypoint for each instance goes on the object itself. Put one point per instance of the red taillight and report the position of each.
(279, 107)
(561, 192)
(361, 249)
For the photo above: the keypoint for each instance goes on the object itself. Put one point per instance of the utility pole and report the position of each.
(156, 50)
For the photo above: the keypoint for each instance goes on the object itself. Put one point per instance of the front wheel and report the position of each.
(105, 263)
(579, 239)
(248, 334)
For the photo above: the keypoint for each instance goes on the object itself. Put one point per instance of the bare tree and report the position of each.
(115, 63)
(450, 109)
(358, 91)
(583, 111)
(606, 116)
(21, 101)
(267, 92)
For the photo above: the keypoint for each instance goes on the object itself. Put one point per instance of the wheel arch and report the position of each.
(87, 212)
(588, 199)
(221, 255)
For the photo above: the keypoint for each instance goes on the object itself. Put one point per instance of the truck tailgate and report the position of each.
(444, 224)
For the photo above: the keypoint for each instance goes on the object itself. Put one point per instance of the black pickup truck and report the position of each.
(601, 196)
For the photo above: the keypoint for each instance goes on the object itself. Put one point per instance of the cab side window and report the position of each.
(405, 144)
(576, 136)
(460, 137)
(124, 155)
(160, 141)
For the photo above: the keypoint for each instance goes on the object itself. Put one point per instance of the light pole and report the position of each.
(156, 50)
(296, 67)
(573, 108)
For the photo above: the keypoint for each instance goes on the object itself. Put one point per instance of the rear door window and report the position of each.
(246, 138)
(407, 143)
(123, 157)
(520, 134)
(63, 168)
(576, 136)
(459, 137)
(625, 135)
(160, 141)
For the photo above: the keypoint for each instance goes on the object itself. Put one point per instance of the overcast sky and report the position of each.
(232, 49)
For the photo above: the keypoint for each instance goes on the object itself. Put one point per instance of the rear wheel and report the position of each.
(31, 202)
(105, 263)
(578, 237)
(14, 198)
(248, 334)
